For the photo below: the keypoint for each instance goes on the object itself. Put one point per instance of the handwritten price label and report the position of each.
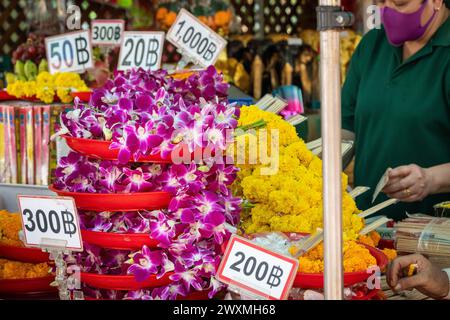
(54, 218)
(257, 270)
(107, 32)
(69, 52)
(141, 49)
(196, 39)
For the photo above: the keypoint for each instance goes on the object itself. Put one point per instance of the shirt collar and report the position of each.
(442, 35)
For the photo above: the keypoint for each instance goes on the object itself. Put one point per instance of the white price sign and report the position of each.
(107, 32)
(190, 35)
(141, 49)
(50, 218)
(69, 52)
(257, 270)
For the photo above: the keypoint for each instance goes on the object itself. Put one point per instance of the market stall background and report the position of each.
(276, 34)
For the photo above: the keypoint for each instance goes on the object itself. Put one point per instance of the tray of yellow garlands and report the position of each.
(358, 258)
(19, 277)
(10, 245)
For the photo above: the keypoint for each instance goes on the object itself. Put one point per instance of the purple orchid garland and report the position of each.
(148, 113)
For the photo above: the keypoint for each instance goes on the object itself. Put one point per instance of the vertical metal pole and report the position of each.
(332, 162)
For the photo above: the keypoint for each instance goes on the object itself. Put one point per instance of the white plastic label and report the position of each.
(53, 218)
(255, 269)
(69, 52)
(107, 32)
(141, 49)
(195, 39)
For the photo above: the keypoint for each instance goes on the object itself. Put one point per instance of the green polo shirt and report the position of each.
(399, 112)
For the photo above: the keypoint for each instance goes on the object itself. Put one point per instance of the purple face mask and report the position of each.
(402, 27)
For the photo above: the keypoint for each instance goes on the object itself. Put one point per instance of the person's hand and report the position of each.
(430, 280)
(409, 183)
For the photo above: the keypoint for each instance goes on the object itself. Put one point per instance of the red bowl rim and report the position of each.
(81, 194)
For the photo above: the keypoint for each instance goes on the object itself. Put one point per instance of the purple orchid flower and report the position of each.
(187, 277)
(162, 230)
(146, 263)
(136, 180)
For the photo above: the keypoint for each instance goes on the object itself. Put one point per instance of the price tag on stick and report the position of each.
(69, 52)
(50, 218)
(254, 269)
(141, 49)
(107, 32)
(195, 40)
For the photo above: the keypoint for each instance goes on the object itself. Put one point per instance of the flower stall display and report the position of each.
(142, 113)
(47, 88)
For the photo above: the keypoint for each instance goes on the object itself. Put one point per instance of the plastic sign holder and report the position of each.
(186, 58)
(57, 249)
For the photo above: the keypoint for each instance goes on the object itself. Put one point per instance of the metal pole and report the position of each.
(332, 164)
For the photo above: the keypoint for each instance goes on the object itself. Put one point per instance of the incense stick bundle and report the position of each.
(426, 235)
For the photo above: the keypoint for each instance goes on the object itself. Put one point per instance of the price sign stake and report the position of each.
(107, 32)
(254, 269)
(141, 49)
(69, 52)
(196, 41)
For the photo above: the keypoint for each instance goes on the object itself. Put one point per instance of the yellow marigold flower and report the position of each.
(45, 94)
(16, 89)
(64, 94)
(29, 88)
(45, 79)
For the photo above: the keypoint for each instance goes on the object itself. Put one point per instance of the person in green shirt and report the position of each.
(396, 107)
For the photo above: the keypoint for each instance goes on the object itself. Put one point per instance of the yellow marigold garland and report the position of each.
(291, 199)
(47, 86)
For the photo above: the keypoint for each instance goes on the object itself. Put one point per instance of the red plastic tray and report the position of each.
(117, 201)
(315, 280)
(4, 96)
(198, 295)
(127, 283)
(23, 254)
(100, 150)
(13, 286)
(118, 241)
(84, 96)
(369, 296)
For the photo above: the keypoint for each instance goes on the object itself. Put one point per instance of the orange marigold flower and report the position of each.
(161, 13)
(10, 226)
(390, 253)
(170, 18)
(356, 258)
(222, 18)
(20, 270)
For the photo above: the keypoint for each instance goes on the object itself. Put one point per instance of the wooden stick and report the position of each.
(377, 208)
